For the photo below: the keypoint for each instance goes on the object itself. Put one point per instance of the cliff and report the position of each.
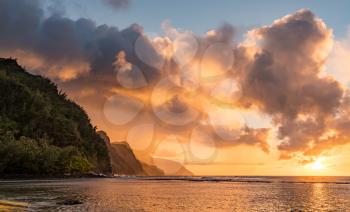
(42, 132)
(172, 168)
(124, 161)
(168, 167)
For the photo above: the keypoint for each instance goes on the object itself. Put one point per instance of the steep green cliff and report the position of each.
(42, 132)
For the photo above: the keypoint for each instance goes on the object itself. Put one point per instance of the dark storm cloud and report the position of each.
(67, 47)
(19, 23)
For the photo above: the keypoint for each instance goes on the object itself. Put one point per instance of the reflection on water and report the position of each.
(161, 195)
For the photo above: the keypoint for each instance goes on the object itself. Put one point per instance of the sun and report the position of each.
(317, 165)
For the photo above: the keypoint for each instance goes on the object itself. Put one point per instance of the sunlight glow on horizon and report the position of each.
(317, 165)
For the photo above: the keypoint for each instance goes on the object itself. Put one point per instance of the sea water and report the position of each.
(178, 194)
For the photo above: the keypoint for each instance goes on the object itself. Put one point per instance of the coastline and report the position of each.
(225, 179)
(43, 177)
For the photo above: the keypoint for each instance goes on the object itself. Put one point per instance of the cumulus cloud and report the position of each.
(281, 72)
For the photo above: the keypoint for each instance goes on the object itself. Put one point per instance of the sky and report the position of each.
(200, 17)
(221, 88)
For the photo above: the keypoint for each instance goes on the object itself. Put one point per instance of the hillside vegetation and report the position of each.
(42, 132)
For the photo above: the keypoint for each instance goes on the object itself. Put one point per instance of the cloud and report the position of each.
(117, 4)
(61, 42)
(281, 71)
(224, 136)
(339, 60)
(278, 71)
(128, 75)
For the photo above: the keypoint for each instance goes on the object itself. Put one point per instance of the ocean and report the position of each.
(177, 194)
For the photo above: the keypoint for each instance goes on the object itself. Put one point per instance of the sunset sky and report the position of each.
(221, 87)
